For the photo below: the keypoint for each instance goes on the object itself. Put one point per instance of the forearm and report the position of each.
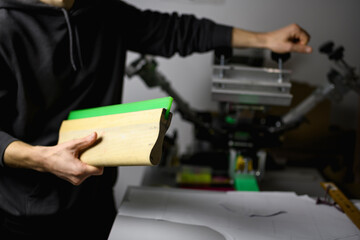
(61, 160)
(247, 39)
(21, 155)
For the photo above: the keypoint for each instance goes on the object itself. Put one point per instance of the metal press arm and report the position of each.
(341, 81)
(145, 66)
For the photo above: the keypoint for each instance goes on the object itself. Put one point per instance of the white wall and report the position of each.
(323, 19)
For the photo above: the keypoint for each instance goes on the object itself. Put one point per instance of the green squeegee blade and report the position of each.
(124, 108)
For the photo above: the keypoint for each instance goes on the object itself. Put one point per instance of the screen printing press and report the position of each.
(171, 213)
(237, 138)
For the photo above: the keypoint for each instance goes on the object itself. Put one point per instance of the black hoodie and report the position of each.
(53, 61)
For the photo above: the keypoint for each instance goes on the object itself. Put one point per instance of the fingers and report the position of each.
(84, 143)
(299, 39)
(64, 161)
(291, 38)
(93, 170)
(300, 34)
(76, 171)
(82, 173)
(86, 171)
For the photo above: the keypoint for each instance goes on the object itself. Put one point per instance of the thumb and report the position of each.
(85, 142)
(300, 48)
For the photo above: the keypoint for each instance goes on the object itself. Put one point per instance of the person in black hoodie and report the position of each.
(61, 55)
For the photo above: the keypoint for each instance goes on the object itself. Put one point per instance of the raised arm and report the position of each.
(165, 34)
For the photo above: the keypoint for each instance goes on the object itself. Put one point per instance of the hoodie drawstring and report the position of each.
(71, 41)
(78, 47)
